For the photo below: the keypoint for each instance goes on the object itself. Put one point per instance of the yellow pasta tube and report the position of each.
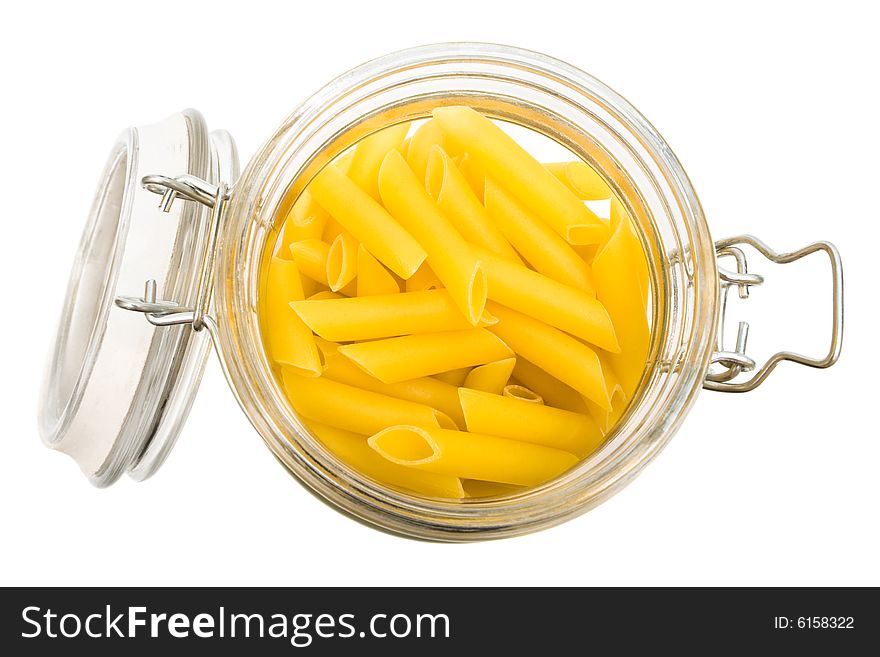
(310, 257)
(346, 407)
(560, 355)
(634, 248)
(619, 399)
(451, 258)
(368, 156)
(410, 356)
(581, 179)
(532, 423)
(382, 316)
(477, 488)
(343, 162)
(423, 279)
(618, 288)
(324, 295)
(455, 377)
(424, 139)
(521, 393)
(306, 211)
(423, 390)
(553, 391)
(567, 308)
(470, 455)
(520, 174)
(474, 175)
(342, 261)
(353, 449)
(455, 198)
(289, 340)
(539, 244)
(491, 377)
(372, 278)
(368, 222)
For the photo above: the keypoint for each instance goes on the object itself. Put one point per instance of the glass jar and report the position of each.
(207, 281)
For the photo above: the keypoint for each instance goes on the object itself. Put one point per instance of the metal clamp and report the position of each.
(736, 362)
(168, 312)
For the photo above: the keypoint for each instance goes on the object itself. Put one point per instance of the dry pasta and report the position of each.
(353, 449)
(532, 423)
(541, 246)
(368, 155)
(581, 179)
(491, 377)
(618, 288)
(372, 277)
(511, 166)
(451, 258)
(353, 409)
(290, 342)
(521, 393)
(382, 316)
(470, 455)
(368, 222)
(423, 390)
(410, 356)
(447, 314)
(560, 355)
(457, 201)
(567, 308)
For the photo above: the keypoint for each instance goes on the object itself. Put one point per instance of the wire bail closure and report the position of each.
(169, 312)
(737, 362)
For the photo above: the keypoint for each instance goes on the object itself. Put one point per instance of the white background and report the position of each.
(772, 108)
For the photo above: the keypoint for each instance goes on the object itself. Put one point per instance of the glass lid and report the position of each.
(117, 388)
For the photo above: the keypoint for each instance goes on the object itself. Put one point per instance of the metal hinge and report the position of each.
(727, 365)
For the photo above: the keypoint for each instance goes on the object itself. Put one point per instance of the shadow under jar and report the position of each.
(232, 227)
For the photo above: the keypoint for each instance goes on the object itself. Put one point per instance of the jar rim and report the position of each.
(357, 102)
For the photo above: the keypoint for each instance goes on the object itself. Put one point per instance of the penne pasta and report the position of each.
(305, 220)
(491, 377)
(324, 295)
(346, 407)
(310, 257)
(470, 455)
(382, 316)
(560, 355)
(451, 317)
(353, 449)
(372, 277)
(368, 156)
(342, 261)
(539, 244)
(618, 288)
(289, 341)
(553, 391)
(474, 175)
(423, 390)
(476, 488)
(423, 279)
(424, 139)
(449, 256)
(581, 179)
(567, 308)
(521, 393)
(368, 222)
(411, 356)
(485, 413)
(520, 174)
(455, 198)
(455, 377)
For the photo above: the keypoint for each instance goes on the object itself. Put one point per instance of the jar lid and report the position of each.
(117, 388)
